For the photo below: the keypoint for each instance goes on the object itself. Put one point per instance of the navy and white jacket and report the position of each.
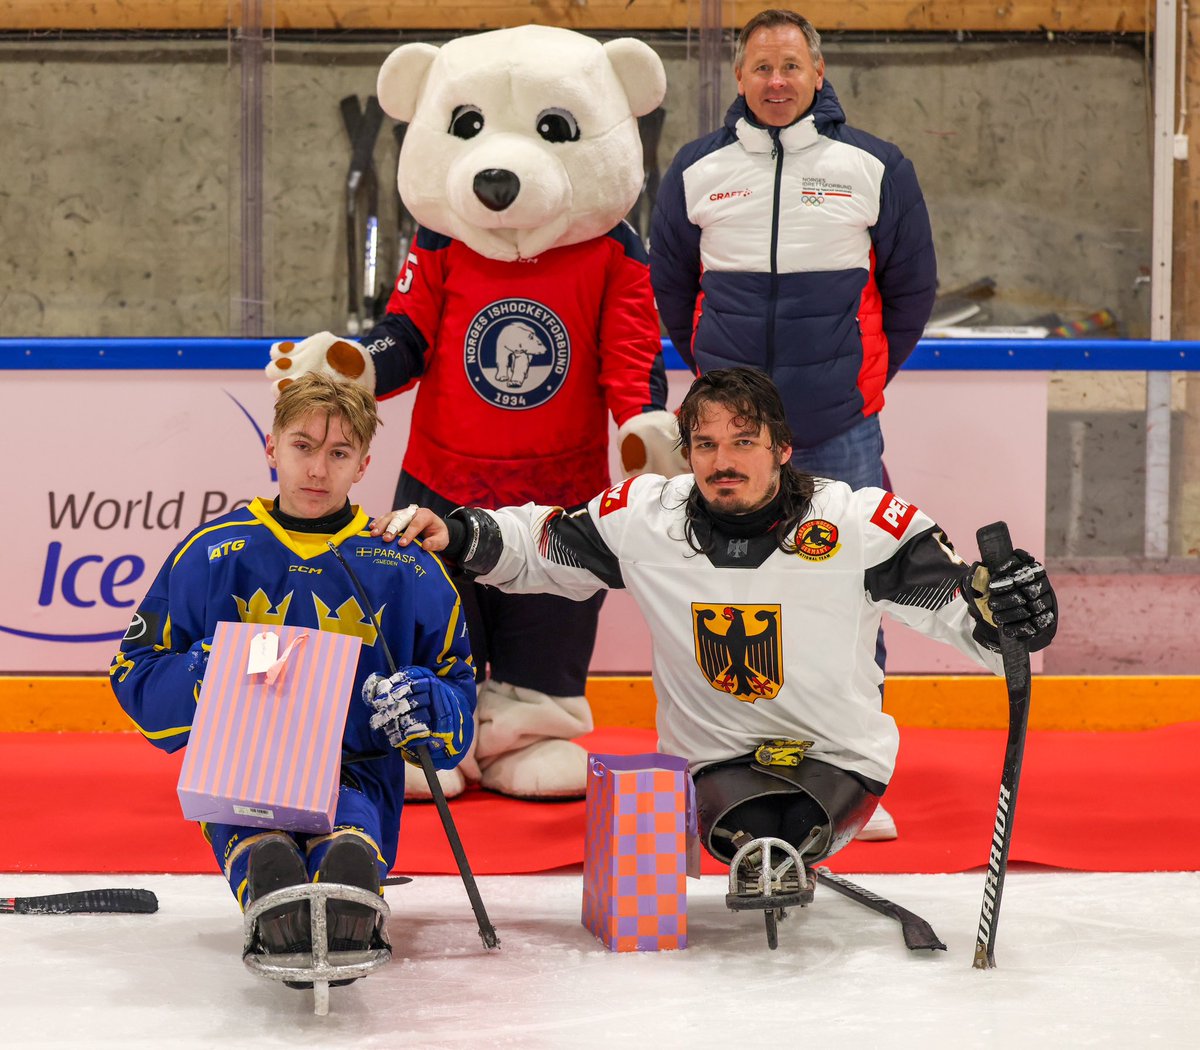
(804, 252)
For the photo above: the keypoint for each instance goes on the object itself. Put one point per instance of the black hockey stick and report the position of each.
(486, 930)
(649, 130)
(406, 225)
(362, 127)
(995, 547)
(917, 932)
(83, 902)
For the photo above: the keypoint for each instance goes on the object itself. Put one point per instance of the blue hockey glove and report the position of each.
(198, 657)
(415, 708)
(1018, 600)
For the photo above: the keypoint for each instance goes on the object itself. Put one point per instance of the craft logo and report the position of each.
(817, 540)
(724, 195)
(893, 515)
(516, 354)
(739, 649)
(76, 577)
(815, 192)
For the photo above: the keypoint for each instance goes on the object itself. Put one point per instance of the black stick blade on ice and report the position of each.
(83, 902)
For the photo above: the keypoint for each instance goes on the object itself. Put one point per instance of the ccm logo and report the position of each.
(893, 515)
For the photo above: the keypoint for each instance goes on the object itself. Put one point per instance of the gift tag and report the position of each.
(264, 650)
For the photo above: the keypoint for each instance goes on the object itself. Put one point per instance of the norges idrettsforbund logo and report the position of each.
(516, 353)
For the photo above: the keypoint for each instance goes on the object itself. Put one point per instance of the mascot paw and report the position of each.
(545, 769)
(323, 352)
(649, 444)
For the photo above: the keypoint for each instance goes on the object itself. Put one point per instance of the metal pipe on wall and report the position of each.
(1158, 384)
(711, 33)
(252, 321)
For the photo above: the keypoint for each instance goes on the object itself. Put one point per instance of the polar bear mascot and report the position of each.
(524, 312)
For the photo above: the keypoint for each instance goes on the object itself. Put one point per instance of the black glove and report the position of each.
(1018, 600)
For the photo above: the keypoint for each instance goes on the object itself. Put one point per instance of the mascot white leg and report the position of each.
(524, 743)
(454, 781)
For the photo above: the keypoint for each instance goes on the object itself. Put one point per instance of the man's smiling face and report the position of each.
(778, 76)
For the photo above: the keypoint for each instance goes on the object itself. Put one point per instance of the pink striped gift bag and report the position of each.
(265, 749)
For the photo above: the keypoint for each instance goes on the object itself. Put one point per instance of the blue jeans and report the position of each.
(855, 457)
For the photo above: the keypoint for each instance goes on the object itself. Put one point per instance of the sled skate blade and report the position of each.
(320, 968)
(768, 875)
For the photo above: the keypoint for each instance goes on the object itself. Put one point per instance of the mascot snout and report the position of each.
(496, 188)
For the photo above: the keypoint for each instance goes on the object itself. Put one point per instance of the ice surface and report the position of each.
(1083, 960)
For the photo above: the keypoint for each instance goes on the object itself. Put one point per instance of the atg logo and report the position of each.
(516, 353)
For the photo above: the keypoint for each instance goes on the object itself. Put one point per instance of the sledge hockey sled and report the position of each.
(768, 874)
(320, 967)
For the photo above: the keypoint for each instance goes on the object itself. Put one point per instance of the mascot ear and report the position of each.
(640, 71)
(401, 78)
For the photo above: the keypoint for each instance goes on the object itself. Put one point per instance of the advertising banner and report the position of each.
(108, 469)
(107, 472)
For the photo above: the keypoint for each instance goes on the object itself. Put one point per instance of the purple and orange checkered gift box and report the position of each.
(265, 749)
(641, 845)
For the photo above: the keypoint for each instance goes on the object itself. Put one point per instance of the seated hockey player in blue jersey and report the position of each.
(763, 589)
(319, 446)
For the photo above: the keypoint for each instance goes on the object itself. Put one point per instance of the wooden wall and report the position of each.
(1085, 16)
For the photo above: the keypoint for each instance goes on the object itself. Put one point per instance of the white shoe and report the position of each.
(880, 828)
(545, 769)
(416, 787)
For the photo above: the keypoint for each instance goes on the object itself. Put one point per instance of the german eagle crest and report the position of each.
(738, 649)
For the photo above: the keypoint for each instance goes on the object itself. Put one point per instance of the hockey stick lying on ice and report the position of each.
(83, 902)
(995, 547)
(486, 930)
(917, 932)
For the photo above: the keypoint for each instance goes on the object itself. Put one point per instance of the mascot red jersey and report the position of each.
(524, 312)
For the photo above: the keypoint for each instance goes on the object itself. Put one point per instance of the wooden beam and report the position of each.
(1060, 16)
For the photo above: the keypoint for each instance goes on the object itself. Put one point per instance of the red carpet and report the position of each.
(106, 802)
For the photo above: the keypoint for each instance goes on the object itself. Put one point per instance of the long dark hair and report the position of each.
(753, 400)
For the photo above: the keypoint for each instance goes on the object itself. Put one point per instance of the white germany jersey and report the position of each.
(742, 655)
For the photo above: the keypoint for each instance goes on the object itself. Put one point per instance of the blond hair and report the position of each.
(336, 399)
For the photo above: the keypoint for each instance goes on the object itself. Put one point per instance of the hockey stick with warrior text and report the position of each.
(995, 547)
(83, 902)
(486, 930)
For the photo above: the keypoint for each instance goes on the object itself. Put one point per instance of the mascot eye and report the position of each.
(466, 122)
(557, 125)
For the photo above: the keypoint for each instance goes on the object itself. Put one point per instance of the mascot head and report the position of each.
(521, 140)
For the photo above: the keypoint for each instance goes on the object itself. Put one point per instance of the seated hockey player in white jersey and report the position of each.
(763, 589)
(279, 569)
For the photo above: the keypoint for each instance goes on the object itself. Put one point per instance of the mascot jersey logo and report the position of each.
(516, 353)
(739, 650)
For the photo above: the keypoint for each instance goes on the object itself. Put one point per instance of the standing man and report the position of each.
(763, 589)
(795, 244)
